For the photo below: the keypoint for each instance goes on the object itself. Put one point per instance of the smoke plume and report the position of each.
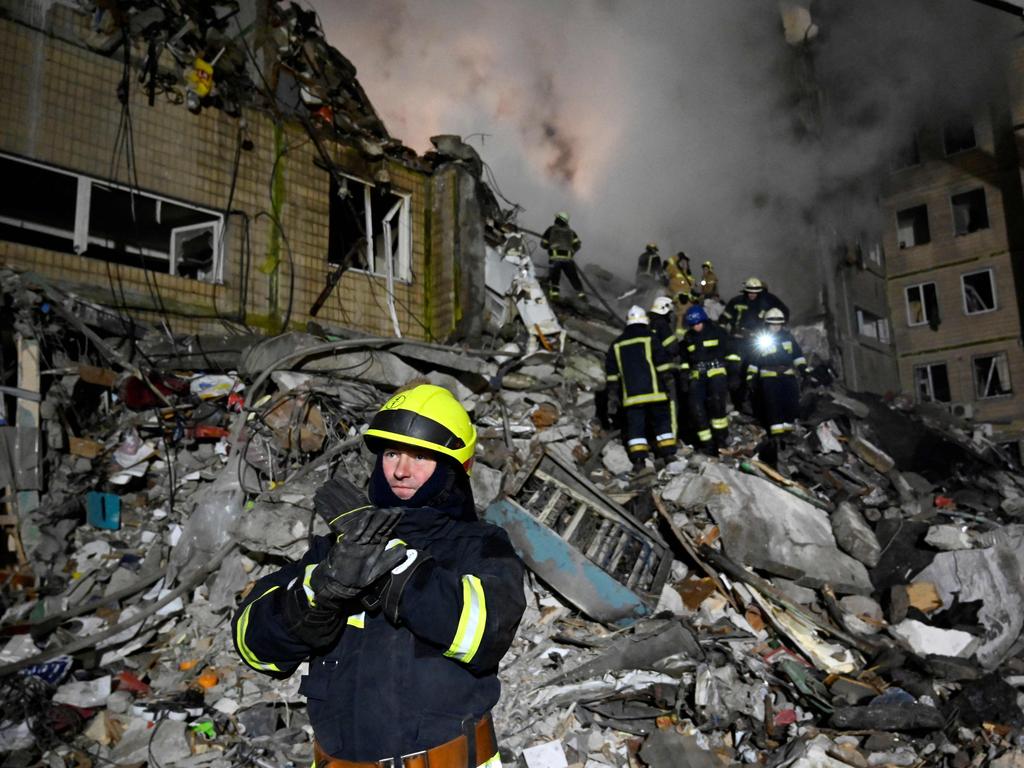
(690, 123)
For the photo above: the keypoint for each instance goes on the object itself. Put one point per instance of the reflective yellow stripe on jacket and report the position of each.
(240, 630)
(471, 621)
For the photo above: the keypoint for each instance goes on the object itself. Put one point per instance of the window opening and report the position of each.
(969, 212)
(931, 383)
(958, 135)
(979, 292)
(922, 305)
(872, 326)
(992, 376)
(359, 210)
(912, 226)
(76, 214)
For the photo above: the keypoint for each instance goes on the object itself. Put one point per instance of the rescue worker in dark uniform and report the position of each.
(663, 328)
(637, 373)
(650, 271)
(561, 243)
(702, 352)
(775, 360)
(743, 317)
(404, 612)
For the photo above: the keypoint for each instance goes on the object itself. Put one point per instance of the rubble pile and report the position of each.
(860, 604)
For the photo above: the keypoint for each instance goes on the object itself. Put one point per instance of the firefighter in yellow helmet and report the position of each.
(404, 612)
(681, 283)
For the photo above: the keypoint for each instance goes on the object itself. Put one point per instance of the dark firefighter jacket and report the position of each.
(774, 354)
(649, 266)
(704, 352)
(635, 361)
(743, 317)
(384, 690)
(663, 330)
(560, 241)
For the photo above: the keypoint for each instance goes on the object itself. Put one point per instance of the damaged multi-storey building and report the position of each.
(220, 164)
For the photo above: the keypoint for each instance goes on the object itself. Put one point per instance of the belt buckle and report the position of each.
(423, 752)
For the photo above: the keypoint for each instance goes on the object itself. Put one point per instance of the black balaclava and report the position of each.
(446, 496)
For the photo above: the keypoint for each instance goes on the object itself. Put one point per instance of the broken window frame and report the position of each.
(919, 226)
(872, 326)
(998, 364)
(968, 201)
(399, 266)
(80, 237)
(925, 374)
(874, 253)
(925, 319)
(967, 296)
(959, 144)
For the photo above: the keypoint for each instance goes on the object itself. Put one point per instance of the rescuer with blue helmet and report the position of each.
(702, 351)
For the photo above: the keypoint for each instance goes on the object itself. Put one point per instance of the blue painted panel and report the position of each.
(565, 568)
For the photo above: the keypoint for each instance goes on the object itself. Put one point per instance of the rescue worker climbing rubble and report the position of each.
(650, 271)
(663, 328)
(561, 242)
(404, 615)
(702, 352)
(775, 360)
(743, 318)
(637, 375)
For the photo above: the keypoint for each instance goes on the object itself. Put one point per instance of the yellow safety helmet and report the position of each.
(652, 246)
(753, 285)
(562, 216)
(707, 265)
(426, 416)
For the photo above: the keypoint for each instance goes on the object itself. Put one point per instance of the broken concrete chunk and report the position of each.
(767, 528)
(995, 576)
(862, 614)
(926, 640)
(872, 454)
(948, 537)
(548, 755)
(854, 536)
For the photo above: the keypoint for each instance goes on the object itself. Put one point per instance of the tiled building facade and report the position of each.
(193, 220)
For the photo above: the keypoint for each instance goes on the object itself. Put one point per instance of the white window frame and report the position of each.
(875, 253)
(81, 239)
(995, 356)
(931, 383)
(878, 326)
(963, 291)
(924, 305)
(399, 266)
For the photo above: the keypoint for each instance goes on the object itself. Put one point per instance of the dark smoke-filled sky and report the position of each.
(680, 122)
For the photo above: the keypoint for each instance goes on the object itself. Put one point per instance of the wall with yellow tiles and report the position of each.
(61, 108)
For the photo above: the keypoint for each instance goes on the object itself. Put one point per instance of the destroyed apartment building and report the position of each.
(171, 406)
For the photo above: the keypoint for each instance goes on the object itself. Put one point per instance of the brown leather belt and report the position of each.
(451, 754)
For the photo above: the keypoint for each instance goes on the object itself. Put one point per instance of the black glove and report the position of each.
(358, 559)
(614, 398)
(388, 596)
(336, 501)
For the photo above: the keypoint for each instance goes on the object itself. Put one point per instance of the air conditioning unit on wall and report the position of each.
(962, 410)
